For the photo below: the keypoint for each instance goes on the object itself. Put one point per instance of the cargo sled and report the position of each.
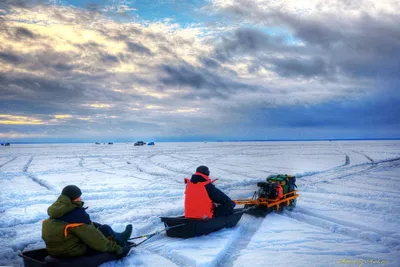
(40, 258)
(187, 228)
(278, 192)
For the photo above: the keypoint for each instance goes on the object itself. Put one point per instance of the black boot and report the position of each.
(122, 238)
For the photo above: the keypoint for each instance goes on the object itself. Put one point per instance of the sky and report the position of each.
(168, 70)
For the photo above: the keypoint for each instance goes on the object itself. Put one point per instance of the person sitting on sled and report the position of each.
(69, 232)
(202, 199)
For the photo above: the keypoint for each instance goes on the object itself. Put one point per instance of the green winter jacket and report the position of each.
(68, 232)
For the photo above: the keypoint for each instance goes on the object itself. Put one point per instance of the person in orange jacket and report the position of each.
(202, 199)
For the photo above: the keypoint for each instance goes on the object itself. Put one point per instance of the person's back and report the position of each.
(69, 232)
(202, 199)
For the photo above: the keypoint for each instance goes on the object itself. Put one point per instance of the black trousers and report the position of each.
(224, 209)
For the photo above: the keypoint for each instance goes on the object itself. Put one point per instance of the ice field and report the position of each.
(348, 212)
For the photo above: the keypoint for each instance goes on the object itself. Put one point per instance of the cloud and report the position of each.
(138, 48)
(24, 33)
(349, 36)
(10, 58)
(207, 84)
(18, 120)
(115, 75)
(302, 67)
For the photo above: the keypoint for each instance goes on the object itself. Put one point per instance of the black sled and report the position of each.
(40, 258)
(186, 228)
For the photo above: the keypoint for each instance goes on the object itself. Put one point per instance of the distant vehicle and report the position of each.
(110, 143)
(139, 143)
(150, 144)
(7, 144)
(97, 143)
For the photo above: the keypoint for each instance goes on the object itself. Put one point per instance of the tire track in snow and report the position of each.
(14, 158)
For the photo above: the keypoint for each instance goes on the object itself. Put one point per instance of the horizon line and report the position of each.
(212, 141)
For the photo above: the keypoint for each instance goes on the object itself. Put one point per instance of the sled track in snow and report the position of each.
(242, 234)
(40, 182)
(33, 177)
(343, 172)
(351, 229)
(246, 232)
(26, 167)
(347, 160)
(5, 163)
(345, 228)
(81, 164)
(365, 155)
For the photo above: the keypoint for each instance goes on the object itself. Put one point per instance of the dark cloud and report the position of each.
(46, 59)
(209, 62)
(16, 3)
(62, 67)
(214, 85)
(23, 32)
(356, 46)
(289, 67)
(246, 41)
(185, 75)
(32, 106)
(110, 59)
(138, 48)
(89, 46)
(11, 58)
(367, 112)
(42, 88)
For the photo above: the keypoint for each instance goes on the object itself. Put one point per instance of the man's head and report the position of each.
(203, 169)
(73, 192)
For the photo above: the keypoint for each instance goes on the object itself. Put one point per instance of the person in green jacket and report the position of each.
(69, 232)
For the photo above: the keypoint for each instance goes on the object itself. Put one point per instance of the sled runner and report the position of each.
(40, 258)
(196, 227)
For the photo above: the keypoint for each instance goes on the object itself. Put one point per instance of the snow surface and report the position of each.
(348, 212)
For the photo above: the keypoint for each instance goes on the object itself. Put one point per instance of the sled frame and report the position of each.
(268, 202)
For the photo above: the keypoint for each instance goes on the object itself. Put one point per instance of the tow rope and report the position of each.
(148, 236)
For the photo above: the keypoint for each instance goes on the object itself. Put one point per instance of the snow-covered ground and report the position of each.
(348, 213)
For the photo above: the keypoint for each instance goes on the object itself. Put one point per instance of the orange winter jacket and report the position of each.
(198, 204)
